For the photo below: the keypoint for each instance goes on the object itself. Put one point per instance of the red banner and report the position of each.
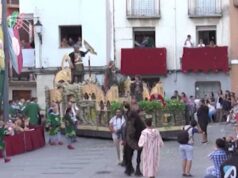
(143, 61)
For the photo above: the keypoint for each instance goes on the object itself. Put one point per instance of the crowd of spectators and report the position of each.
(70, 42)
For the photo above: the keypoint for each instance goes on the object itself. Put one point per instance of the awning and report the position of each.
(207, 59)
(143, 61)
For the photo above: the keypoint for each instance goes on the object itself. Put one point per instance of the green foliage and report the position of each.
(174, 105)
(150, 106)
(115, 106)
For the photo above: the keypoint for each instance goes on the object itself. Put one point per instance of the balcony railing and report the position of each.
(204, 8)
(143, 61)
(207, 59)
(137, 9)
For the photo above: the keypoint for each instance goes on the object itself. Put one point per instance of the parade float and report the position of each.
(96, 107)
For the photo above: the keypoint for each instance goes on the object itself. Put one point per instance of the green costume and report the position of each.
(53, 122)
(3, 132)
(12, 111)
(69, 126)
(32, 111)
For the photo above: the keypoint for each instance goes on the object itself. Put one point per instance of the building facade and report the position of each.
(168, 23)
(144, 37)
(65, 23)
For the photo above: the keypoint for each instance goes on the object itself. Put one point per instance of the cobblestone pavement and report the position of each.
(97, 158)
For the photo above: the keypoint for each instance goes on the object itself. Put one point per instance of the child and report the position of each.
(186, 148)
(54, 123)
(151, 142)
(3, 132)
(218, 157)
(69, 127)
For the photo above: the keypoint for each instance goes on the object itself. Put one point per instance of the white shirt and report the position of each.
(188, 44)
(190, 131)
(201, 45)
(218, 104)
(117, 122)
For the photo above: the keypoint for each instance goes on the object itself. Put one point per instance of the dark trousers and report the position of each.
(128, 159)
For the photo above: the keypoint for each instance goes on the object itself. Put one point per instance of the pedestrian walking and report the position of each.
(151, 141)
(203, 119)
(115, 126)
(186, 140)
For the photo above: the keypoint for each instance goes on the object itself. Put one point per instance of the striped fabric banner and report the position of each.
(2, 66)
(15, 52)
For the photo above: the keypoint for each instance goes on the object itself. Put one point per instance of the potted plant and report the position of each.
(176, 109)
(151, 108)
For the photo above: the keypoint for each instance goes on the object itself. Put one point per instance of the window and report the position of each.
(207, 34)
(13, 2)
(205, 8)
(26, 31)
(70, 35)
(144, 37)
(143, 8)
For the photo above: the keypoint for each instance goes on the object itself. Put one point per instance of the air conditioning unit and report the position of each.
(235, 3)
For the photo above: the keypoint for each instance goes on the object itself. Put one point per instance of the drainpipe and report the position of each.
(175, 42)
(114, 31)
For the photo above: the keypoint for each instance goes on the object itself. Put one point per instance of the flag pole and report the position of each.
(6, 79)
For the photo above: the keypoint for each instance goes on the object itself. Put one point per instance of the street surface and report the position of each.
(97, 158)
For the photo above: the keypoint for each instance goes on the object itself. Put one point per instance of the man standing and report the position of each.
(109, 76)
(32, 111)
(77, 64)
(134, 127)
(115, 125)
(137, 88)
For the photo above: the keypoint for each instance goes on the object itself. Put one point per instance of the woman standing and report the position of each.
(151, 142)
(203, 119)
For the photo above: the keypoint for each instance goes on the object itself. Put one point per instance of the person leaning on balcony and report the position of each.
(212, 44)
(188, 42)
(201, 44)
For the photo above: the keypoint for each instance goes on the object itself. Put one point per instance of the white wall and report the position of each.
(43, 82)
(90, 14)
(186, 82)
(171, 29)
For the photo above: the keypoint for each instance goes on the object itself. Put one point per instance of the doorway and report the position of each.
(204, 89)
(19, 94)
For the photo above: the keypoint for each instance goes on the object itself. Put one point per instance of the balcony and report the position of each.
(207, 59)
(143, 61)
(205, 8)
(143, 9)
